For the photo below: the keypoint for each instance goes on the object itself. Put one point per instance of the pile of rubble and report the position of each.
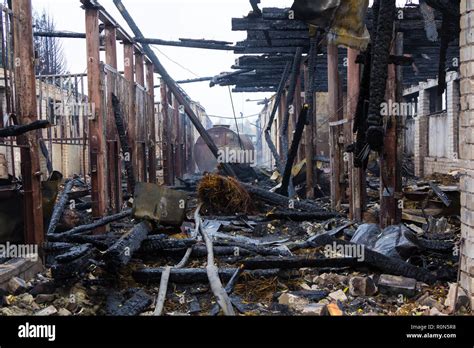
(174, 253)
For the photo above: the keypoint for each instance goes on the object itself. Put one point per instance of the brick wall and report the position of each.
(466, 146)
(421, 130)
(424, 164)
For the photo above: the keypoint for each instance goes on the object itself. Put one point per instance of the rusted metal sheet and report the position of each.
(160, 204)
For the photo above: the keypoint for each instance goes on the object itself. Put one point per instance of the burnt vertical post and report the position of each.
(113, 151)
(310, 99)
(150, 85)
(334, 127)
(129, 75)
(166, 138)
(175, 136)
(25, 87)
(390, 160)
(97, 152)
(356, 175)
(140, 146)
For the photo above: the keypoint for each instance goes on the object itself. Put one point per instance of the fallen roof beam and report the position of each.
(200, 79)
(15, 130)
(191, 43)
(60, 34)
(254, 89)
(160, 69)
(205, 44)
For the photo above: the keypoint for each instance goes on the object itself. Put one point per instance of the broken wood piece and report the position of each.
(121, 252)
(87, 228)
(159, 243)
(228, 288)
(59, 207)
(74, 253)
(139, 302)
(62, 271)
(290, 160)
(213, 274)
(160, 301)
(378, 261)
(14, 131)
(126, 147)
(277, 199)
(97, 241)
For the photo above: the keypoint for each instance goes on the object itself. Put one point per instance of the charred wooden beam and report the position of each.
(253, 89)
(294, 77)
(87, 228)
(121, 252)
(379, 261)
(124, 143)
(277, 199)
(293, 150)
(14, 131)
(151, 123)
(60, 34)
(335, 129)
(379, 72)
(138, 303)
(392, 154)
(159, 243)
(74, 253)
(59, 207)
(204, 44)
(200, 79)
(72, 269)
(278, 97)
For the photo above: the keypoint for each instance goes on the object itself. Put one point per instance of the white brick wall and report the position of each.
(466, 145)
(421, 130)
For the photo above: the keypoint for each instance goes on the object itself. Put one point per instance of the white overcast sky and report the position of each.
(171, 20)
